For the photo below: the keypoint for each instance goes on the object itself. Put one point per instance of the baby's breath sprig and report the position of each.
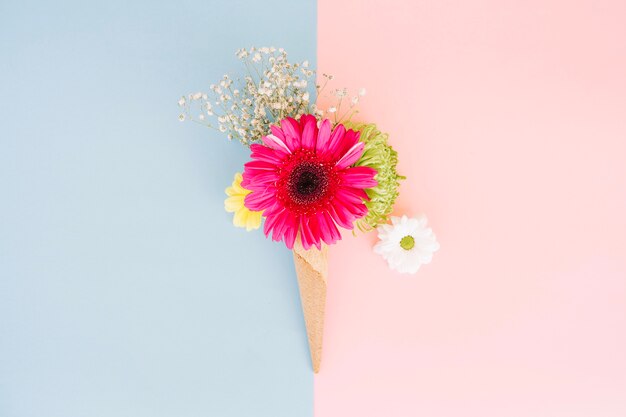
(245, 108)
(341, 98)
(273, 89)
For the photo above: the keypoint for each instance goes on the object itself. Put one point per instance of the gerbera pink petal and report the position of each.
(292, 231)
(330, 233)
(309, 131)
(321, 228)
(292, 132)
(356, 192)
(357, 210)
(360, 177)
(275, 208)
(250, 175)
(351, 156)
(350, 139)
(259, 166)
(270, 220)
(341, 215)
(323, 137)
(278, 132)
(306, 233)
(317, 233)
(263, 153)
(306, 118)
(250, 182)
(275, 143)
(280, 226)
(336, 138)
(352, 201)
(262, 181)
(258, 201)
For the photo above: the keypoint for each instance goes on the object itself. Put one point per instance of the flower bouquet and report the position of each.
(311, 172)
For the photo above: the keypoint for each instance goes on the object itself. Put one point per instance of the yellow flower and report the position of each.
(234, 204)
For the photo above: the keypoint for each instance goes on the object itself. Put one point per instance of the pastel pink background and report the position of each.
(510, 120)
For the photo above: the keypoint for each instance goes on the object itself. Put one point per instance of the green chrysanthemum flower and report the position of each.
(384, 159)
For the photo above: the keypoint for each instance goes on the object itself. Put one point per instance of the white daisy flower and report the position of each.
(406, 243)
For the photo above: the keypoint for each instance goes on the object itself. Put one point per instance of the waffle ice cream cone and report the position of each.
(312, 271)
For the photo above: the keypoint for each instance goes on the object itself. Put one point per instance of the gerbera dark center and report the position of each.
(307, 182)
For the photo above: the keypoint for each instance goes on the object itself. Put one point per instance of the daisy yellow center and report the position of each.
(407, 242)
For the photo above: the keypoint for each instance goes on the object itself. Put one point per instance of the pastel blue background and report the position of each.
(124, 288)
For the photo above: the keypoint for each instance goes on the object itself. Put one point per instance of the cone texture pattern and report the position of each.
(312, 270)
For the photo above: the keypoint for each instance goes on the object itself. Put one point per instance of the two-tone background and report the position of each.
(125, 291)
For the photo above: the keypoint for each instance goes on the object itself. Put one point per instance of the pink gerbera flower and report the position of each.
(303, 180)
